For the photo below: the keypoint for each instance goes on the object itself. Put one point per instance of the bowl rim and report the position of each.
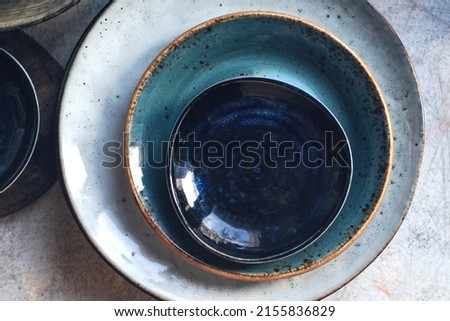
(154, 66)
(37, 119)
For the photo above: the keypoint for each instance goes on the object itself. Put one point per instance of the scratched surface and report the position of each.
(44, 256)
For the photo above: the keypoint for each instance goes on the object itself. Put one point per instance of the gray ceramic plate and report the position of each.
(98, 89)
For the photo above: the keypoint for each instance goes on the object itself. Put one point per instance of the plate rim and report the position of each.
(161, 296)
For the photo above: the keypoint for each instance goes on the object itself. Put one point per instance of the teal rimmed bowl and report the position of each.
(262, 45)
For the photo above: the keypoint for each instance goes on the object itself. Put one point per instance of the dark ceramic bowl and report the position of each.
(252, 171)
(19, 119)
(301, 57)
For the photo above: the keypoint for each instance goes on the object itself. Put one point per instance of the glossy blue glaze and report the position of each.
(263, 46)
(19, 119)
(252, 172)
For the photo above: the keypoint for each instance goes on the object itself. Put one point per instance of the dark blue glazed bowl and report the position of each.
(287, 52)
(19, 119)
(257, 169)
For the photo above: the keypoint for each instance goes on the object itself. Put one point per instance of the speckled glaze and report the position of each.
(260, 201)
(93, 111)
(19, 119)
(267, 45)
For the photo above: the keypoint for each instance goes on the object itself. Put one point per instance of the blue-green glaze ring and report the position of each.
(263, 45)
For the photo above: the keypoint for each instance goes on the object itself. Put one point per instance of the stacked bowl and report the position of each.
(275, 142)
(270, 149)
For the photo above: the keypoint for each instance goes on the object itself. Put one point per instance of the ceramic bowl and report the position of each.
(19, 119)
(276, 47)
(251, 171)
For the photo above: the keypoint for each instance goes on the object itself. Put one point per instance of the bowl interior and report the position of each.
(263, 45)
(252, 170)
(19, 119)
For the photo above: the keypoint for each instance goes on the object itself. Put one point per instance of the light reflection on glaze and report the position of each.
(128, 252)
(188, 186)
(79, 176)
(229, 234)
(136, 158)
